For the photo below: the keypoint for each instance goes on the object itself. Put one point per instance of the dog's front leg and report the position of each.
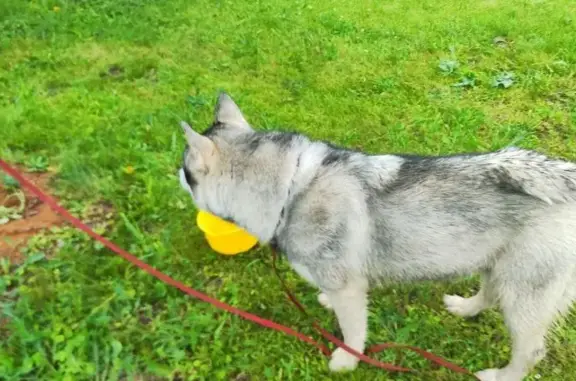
(351, 307)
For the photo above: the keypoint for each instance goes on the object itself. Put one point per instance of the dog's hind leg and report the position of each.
(531, 298)
(467, 307)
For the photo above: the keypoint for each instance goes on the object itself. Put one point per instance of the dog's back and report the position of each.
(451, 215)
(423, 217)
(523, 171)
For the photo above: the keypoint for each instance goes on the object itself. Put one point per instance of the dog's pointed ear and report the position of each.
(228, 113)
(200, 146)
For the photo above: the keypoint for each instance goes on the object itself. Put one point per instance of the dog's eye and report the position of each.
(187, 174)
(229, 219)
(189, 178)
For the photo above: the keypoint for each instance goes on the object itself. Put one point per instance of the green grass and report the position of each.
(93, 87)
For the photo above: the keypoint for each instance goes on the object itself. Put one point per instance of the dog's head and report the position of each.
(234, 172)
(207, 171)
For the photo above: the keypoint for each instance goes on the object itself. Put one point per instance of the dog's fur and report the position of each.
(346, 220)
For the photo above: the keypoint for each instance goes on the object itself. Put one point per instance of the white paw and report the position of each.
(323, 300)
(504, 374)
(489, 375)
(342, 361)
(464, 307)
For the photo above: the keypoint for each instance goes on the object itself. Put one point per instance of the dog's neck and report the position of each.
(288, 200)
(306, 169)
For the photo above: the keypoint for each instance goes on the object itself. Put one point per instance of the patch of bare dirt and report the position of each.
(34, 218)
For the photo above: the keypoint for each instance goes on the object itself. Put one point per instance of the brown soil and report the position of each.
(36, 217)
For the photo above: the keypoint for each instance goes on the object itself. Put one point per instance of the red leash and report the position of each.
(228, 308)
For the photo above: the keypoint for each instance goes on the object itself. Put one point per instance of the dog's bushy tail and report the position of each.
(550, 180)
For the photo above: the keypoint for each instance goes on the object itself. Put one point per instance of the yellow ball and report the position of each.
(224, 237)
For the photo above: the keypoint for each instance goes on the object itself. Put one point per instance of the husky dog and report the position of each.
(347, 220)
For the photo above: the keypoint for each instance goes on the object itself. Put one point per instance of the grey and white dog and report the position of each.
(347, 220)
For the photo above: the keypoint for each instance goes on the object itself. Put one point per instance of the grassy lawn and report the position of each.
(94, 90)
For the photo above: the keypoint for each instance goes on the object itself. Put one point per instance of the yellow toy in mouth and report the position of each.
(224, 237)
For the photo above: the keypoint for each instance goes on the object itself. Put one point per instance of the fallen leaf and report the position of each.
(500, 41)
(448, 66)
(466, 81)
(504, 79)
